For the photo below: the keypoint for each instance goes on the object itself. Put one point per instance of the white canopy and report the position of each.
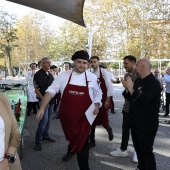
(71, 10)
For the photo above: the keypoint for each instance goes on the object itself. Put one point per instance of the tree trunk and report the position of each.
(10, 71)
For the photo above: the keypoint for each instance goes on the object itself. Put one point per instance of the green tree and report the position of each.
(132, 27)
(7, 37)
(70, 38)
(35, 37)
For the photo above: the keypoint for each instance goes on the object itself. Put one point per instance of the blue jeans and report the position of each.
(44, 124)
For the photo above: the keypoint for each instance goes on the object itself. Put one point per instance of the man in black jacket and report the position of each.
(144, 97)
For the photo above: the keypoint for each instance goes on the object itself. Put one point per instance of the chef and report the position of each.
(107, 90)
(33, 102)
(79, 88)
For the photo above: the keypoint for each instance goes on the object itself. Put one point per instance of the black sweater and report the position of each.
(144, 103)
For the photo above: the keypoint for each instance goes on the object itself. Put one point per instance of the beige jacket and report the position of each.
(12, 134)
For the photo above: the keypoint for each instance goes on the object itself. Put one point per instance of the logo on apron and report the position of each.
(76, 93)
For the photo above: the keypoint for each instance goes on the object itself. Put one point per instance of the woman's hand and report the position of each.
(4, 165)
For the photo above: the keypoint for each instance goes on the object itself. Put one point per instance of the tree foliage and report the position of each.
(120, 27)
(8, 37)
(132, 27)
(34, 38)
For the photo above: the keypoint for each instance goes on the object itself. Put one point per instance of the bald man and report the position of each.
(144, 97)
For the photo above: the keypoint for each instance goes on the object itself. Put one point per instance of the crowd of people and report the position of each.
(68, 94)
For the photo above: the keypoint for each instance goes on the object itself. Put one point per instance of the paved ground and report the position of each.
(50, 157)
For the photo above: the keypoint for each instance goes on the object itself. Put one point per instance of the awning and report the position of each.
(71, 10)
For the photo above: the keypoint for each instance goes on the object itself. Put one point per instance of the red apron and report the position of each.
(74, 103)
(102, 117)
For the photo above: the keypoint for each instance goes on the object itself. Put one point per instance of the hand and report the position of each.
(52, 72)
(39, 114)
(106, 104)
(96, 110)
(4, 164)
(124, 83)
(130, 84)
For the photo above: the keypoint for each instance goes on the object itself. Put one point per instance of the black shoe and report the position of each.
(38, 146)
(48, 140)
(113, 111)
(68, 156)
(92, 144)
(166, 114)
(110, 133)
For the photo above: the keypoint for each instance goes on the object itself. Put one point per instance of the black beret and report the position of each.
(66, 63)
(80, 55)
(33, 64)
(53, 67)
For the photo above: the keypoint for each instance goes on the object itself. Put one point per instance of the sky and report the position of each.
(21, 10)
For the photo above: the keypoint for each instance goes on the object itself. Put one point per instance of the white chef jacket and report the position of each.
(111, 76)
(107, 80)
(78, 79)
(2, 138)
(55, 76)
(30, 89)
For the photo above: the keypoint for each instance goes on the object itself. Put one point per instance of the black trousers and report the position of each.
(143, 143)
(33, 105)
(92, 134)
(82, 156)
(167, 102)
(125, 131)
(112, 102)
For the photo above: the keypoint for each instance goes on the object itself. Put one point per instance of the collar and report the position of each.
(96, 70)
(77, 73)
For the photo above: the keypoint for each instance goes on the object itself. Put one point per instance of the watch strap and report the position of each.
(11, 158)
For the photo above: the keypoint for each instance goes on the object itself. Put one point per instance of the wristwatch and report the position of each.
(11, 158)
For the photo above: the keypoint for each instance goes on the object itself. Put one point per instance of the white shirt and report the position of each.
(2, 138)
(30, 89)
(90, 69)
(167, 81)
(55, 76)
(78, 79)
(111, 76)
(106, 77)
(29, 77)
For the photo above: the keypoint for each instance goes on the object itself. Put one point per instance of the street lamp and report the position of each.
(90, 41)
